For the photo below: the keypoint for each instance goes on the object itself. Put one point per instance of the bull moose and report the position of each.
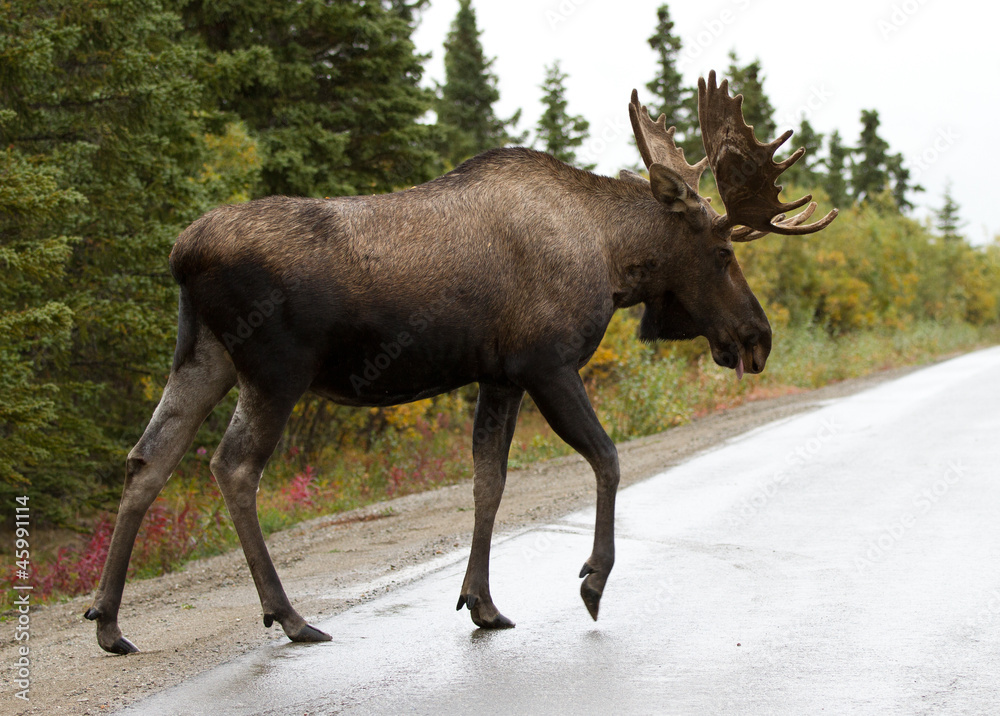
(504, 272)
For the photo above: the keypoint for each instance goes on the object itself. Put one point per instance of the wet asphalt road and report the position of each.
(842, 561)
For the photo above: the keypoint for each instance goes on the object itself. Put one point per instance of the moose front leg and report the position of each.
(563, 402)
(496, 417)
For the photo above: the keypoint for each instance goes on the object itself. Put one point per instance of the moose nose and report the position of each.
(759, 350)
(750, 337)
(755, 347)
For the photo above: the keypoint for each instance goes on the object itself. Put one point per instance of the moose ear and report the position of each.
(671, 190)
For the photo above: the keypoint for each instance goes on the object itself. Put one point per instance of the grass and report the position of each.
(650, 391)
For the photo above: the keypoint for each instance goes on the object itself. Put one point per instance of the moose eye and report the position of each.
(725, 256)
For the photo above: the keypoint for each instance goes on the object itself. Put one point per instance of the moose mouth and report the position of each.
(742, 359)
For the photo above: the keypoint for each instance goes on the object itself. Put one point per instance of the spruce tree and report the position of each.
(36, 326)
(870, 174)
(106, 160)
(558, 132)
(465, 107)
(758, 111)
(901, 184)
(331, 91)
(407, 9)
(691, 142)
(835, 176)
(876, 169)
(948, 219)
(804, 172)
(669, 96)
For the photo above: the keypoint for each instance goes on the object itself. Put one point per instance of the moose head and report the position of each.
(712, 298)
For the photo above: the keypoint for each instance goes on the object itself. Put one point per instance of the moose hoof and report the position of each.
(109, 636)
(121, 646)
(591, 598)
(484, 613)
(309, 634)
(497, 621)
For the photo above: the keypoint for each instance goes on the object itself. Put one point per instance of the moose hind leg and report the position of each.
(496, 417)
(562, 400)
(237, 465)
(194, 387)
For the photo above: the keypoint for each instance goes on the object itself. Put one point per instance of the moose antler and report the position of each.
(656, 144)
(745, 233)
(745, 170)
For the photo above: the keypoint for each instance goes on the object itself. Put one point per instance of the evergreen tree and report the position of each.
(876, 169)
(804, 172)
(834, 179)
(407, 9)
(35, 325)
(870, 175)
(465, 108)
(690, 142)
(948, 219)
(757, 108)
(955, 264)
(901, 184)
(560, 133)
(669, 96)
(329, 90)
(105, 143)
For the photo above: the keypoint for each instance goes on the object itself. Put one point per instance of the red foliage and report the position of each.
(75, 571)
(301, 491)
(168, 536)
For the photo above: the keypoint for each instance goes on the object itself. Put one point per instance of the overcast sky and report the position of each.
(929, 67)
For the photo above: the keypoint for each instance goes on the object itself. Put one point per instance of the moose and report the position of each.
(503, 272)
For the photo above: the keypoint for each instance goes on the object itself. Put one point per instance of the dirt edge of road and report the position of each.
(208, 613)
